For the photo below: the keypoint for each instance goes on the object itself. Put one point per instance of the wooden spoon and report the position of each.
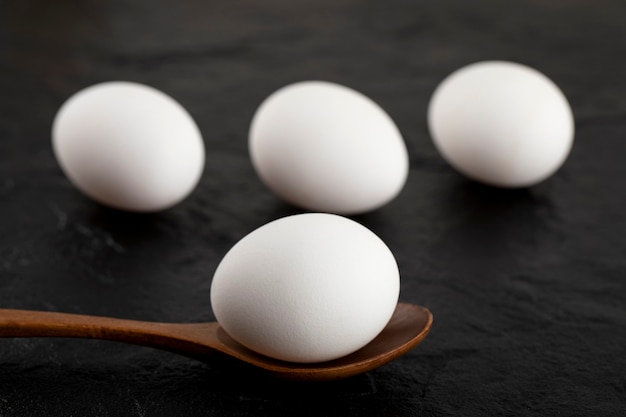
(407, 328)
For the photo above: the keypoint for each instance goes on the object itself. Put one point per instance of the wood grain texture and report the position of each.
(408, 327)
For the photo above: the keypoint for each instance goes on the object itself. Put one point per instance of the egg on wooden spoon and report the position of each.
(306, 288)
(128, 146)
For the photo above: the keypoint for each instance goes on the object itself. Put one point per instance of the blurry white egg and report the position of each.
(128, 146)
(501, 123)
(325, 147)
(306, 288)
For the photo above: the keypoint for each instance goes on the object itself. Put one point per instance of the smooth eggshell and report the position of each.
(306, 288)
(128, 146)
(501, 123)
(325, 147)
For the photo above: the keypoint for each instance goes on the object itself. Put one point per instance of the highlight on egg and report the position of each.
(501, 123)
(128, 146)
(325, 147)
(306, 288)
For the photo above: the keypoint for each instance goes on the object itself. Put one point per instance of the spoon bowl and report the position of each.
(406, 329)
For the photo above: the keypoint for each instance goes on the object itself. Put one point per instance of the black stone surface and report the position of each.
(528, 287)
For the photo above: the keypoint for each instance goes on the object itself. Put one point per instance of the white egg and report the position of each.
(128, 146)
(306, 288)
(325, 147)
(501, 123)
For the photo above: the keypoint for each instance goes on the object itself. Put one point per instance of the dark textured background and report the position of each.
(528, 287)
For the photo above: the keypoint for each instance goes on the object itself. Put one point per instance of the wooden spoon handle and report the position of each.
(24, 323)
(191, 339)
